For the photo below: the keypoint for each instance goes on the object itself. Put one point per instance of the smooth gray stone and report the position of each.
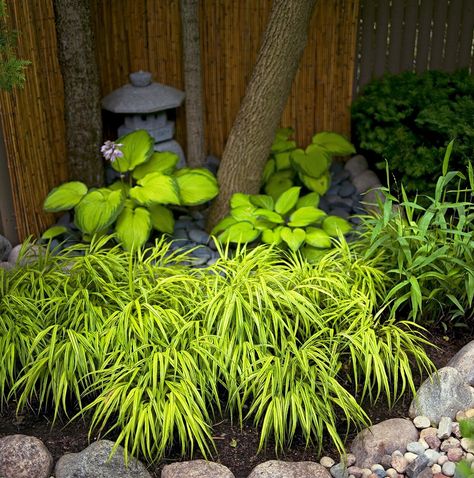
(339, 176)
(23, 456)
(415, 447)
(339, 470)
(442, 395)
(366, 181)
(416, 467)
(286, 469)
(5, 248)
(356, 165)
(463, 362)
(196, 469)
(339, 211)
(199, 236)
(180, 234)
(347, 189)
(95, 461)
(6, 265)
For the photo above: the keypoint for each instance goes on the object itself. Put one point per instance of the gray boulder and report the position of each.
(372, 443)
(5, 248)
(463, 362)
(286, 469)
(366, 181)
(196, 469)
(96, 461)
(23, 456)
(356, 165)
(442, 395)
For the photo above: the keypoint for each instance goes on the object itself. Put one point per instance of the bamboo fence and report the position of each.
(146, 34)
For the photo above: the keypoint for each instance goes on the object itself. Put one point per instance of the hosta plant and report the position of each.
(289, 166)
(135, 204)
(291, 222)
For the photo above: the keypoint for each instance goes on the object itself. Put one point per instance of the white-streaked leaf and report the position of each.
(334, 143)
(160, 162)
(196, 188)
(239, 232)
(98, 209)
(335, 225)
(316, 237)
(287, 201)
(305, 216)
(137, 147)
(133, 227)
(161, 218)
(293, 237)
(156, 188)
(65, 197)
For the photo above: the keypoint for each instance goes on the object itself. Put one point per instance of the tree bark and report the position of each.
(193, 83)
(253, 131)
(77, 59)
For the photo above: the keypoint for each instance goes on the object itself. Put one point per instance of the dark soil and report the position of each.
(236, 447)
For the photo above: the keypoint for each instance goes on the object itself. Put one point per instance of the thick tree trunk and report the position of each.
(193, 83)
(254, 129)
(81, 90)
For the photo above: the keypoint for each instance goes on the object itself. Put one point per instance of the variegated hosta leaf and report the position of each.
(311, 199)
(240, 199)
(133, 228)
(98, 209)
(262, 200)
(197, 187)
(223, 224)
(161, 218)
(65, 197)
(335, 225)
(137, 147)
(287, 200)
(244, 213)
(239, 233)
(334, 143)
(156, 188)
(272, 236)
(279, 182)
(312, 163)
(293, 237)
(160, 162)
(320, 185)
(316, 237)
(305, 216)
(269, 215)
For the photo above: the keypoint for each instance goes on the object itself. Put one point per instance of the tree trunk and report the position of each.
(253, 131)
(192, 83)
(82, 110)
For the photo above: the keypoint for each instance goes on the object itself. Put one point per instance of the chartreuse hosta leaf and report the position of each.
(156, 188)
(137, 147)
(279, 182)
(120, 186)
(313, 163)
(271, 216)
(272, 236)
(334, 143)
(161, 218)
(223, 224)
(65, 197)
(319, 185)
(287, 200)
(239, 200)
(98, 209)
(262, 200)
(133, 227)
(311, 199)
(305, 216)
(268, 170)
(160, 162)
(335, 225)
(53, 232)
(313, 254)
(282, 160)
(244, 213)
(318, 238)
(196, 186)
(293, 237)
(239, 233)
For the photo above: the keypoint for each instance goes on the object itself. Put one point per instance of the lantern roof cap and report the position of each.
(142, 95)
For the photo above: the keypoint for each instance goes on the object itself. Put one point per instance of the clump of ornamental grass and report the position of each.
(427, 251)
(155, 351)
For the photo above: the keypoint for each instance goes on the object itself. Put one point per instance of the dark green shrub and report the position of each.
(408, 120)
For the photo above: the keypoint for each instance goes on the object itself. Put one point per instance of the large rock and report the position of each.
(95, 461)
(24, 456)
(356, 165)
(286, 469)
(372, 443)
(366, 181)
(442, 395)
(463, 362)
(5, 248)
(196, 469)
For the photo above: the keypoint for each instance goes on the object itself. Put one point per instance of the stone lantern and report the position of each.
(144, 104)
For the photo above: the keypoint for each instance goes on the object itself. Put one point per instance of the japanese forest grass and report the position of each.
(155, 351)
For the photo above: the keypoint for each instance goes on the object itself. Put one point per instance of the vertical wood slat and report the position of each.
(452, 35)
(466, 36)
(438, 34)
(381, 37)
(424, 32)
(407, 59)
(33, 118)
(395, 38)
(367, 42)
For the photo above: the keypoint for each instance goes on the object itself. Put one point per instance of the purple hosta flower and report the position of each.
(111, 151)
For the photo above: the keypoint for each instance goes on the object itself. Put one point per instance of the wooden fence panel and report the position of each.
(413, 35)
